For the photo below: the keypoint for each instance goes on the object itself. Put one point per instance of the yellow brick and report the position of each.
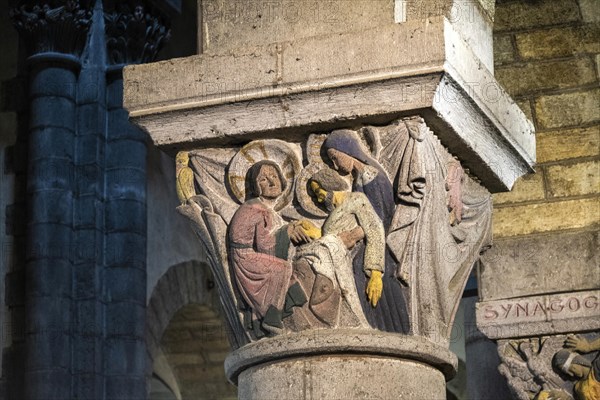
(503, 49)
(590, 10)
(527, 188)
(522, 14)
(546, 217)
(526, 78)
(574, 179)
(568, 143)
(559, 42)
(568, 109)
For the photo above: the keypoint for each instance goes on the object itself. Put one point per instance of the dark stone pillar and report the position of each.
(135, 33)
(55, 34)
(50, 227)
(86, 212)
(125, 249)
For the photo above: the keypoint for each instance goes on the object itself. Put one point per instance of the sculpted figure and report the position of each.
(258, 249)
(348, 156)
(330, 279)
(578, 367)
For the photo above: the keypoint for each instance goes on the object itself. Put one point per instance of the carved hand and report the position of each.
(351, 237)
(578, 343)
(303, 231)
(310, 229)
(297, 234)
(374, 287)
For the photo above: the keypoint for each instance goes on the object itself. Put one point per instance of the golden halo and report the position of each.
(274, 150)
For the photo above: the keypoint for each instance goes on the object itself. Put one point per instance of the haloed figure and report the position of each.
(258, 249)
(348, 156)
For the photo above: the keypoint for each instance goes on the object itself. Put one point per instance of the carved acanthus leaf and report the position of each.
(53, 26)
(135, 32)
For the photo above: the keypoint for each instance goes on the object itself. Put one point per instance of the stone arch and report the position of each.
(185, 333)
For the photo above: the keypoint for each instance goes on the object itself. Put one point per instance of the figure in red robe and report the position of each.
(258, 248)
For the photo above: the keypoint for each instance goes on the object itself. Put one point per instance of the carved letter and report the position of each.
(506, 309)
(524, 309)
(573, 304)
(590, 302)
(559, 305)
(490, 313)
(538, 306)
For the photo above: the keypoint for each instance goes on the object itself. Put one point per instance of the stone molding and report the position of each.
(295, 86)
(51, 28)
(539, 315)
(341, 342)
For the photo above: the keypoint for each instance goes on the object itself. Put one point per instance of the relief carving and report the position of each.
(376, 227)
(53, 26)
(557, 367)
(135, 32)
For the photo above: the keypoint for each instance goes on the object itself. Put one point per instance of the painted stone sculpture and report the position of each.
(258, 249)
(346, 229)
(556, 367)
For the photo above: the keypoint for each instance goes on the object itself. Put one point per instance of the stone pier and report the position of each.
(337, 169)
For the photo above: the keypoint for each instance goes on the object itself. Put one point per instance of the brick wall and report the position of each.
(547, 57)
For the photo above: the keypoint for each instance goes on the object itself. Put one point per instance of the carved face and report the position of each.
(138, 13)
(323, 197)
(268, 182)
(343, 163)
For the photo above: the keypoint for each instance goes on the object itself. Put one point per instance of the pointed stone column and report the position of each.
(86, 185)
(419, 133)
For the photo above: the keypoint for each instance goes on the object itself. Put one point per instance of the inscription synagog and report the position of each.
(525, 309)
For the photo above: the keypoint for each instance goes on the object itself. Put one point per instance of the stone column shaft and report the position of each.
(125, 247)
(50, 224)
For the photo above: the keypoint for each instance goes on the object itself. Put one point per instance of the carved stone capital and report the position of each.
(135, 32)
(53, 26)
(550, 366)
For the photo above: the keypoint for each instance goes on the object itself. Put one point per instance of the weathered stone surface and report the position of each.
(504, 50)
(351, 90)
(568, 109)
(520, 15)
(356, 377)
(573, 179)
(568, 143)
(524, 79)
(383, 351)
(527, 188)
(589, 10)
(229, 25)
(560, 262)
(559, 42)
(539, 315)
(545, 217)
